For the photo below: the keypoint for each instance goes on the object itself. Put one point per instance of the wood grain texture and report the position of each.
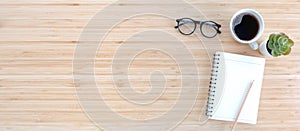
(37, 43)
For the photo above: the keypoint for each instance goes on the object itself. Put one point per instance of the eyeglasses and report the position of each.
(187, 26)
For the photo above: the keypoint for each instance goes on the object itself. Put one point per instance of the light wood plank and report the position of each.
(38, 39)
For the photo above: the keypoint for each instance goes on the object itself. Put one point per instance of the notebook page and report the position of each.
(239, 73)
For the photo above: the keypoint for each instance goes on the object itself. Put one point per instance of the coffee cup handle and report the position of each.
(254, 45)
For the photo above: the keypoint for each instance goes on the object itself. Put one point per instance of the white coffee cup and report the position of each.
(237, 19)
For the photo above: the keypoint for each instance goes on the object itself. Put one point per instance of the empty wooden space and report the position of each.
(38, 39)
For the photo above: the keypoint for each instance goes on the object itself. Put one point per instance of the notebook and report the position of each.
(231, 76)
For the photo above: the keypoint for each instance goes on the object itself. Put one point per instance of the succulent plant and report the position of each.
(279, 44)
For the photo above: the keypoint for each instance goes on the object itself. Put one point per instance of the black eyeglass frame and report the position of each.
(216, 26)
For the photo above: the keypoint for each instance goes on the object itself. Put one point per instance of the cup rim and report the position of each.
(260, 20)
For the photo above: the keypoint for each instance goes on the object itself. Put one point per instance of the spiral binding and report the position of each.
(212, 86)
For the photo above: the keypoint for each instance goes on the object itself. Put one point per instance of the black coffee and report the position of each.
(248, 28)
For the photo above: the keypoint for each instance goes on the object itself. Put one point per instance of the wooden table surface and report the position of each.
(37, 45)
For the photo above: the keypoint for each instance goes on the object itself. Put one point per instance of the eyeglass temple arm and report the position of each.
(217, 28)
(185, 22)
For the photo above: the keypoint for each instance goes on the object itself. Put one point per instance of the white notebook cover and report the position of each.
(234, 76)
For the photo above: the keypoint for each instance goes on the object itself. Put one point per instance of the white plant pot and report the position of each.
(263, 49)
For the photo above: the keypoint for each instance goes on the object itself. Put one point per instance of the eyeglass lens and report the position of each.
(186, 26)
(208, 29)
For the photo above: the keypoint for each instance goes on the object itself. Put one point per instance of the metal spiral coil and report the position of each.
(212, 86)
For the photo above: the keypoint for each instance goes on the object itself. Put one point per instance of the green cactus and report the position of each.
(280, 44)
